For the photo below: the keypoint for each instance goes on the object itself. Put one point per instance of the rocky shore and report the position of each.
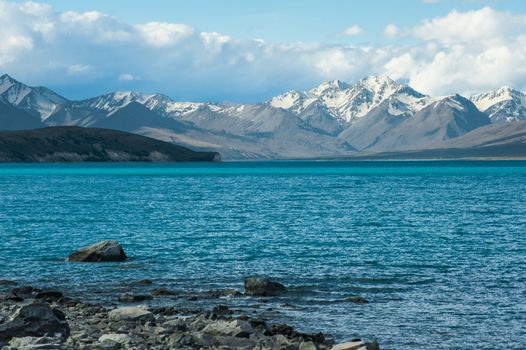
(45, 319)
(35, 318)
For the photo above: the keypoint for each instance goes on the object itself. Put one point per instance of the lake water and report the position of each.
(438, 248)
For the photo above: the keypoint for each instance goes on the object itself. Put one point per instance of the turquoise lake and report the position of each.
(438, 248)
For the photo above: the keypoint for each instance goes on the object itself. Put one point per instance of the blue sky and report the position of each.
(248, 51)
(289, 20)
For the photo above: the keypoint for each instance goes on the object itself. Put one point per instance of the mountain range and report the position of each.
(374, 115)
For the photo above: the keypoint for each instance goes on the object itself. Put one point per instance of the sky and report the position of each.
(248, 51)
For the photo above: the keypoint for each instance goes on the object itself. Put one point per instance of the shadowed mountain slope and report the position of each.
(76, 144)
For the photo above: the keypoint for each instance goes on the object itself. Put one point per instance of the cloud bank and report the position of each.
(91, 53)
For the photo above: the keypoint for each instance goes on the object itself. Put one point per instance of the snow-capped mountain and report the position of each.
(159, 103)
(502, 105)
(375, 114)
(347, 103)
(441, 121)
(38, 101)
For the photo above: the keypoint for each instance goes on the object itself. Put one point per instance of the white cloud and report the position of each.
(79, 69)
(465, 52)
(391, 30)
(94, 52)
(352, 30)
(470, 27)
(126, 77)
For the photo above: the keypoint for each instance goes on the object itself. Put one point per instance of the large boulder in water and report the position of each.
(34, 320)
(105, 251)
(263, 286)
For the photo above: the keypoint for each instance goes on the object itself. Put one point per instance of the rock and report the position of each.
(262, 286)
(232, 328)
(357, 300)
(35, 320)
(224, 293)
(105, 251)
(25, 290)
(163, 292)
(283, 329)
(373, 345)
(145, 282)
(352, 345)
(50, 295)
(11, 297)
(203, 340)
(36, 343)
(235, 343)
(115, 337)
(7, 283)
(131, 313)
(307, 346)
(282, 342)
(133, 298)
(221, 310)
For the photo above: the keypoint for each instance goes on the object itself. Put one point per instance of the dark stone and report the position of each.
(133, 298)
(50, 295)
(221, 310)
(25, 290)
(224, 293)
(11, 297)
(373, 345)
(34, 320)
(7, 283)
(163, 292)
(104, 251)
(283, 329)
(357, 300)
(145, 282)
(262, 286)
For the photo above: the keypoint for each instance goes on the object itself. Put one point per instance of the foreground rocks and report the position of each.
(104, 251)
(63, 324)
(35, 320)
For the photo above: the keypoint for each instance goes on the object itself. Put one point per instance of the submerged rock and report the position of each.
(163, 292)
(145, 282)
(104, 251)
(25, 290)
(7, 283)
(262, 286)
(357, 300)
(133, 298)
(34, 320)
(224, 293)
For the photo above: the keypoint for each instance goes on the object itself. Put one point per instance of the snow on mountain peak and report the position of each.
(378, 82)
(39, 101)
(502, 105)
(6, 82)
(332, 85)
(346, 102)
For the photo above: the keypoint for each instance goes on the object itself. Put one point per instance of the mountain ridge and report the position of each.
(335, 118)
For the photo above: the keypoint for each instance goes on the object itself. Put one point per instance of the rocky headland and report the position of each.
(75, 144)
